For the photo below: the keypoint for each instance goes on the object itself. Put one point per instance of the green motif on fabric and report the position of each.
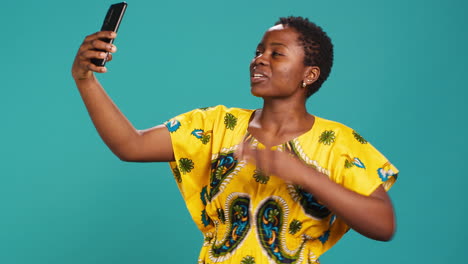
(238, 219)
(248, 260)
(309, 203)
(221, 216)
(295, 226)
(206, 220)
(272, 215)
(327, 137)
(205, 108)
(185, 165)
(230, 121)
(208, 239)
(348, 164)
(260, 176)
(203, 136)
(205, 139)
(238, 211)
(359, 137)
(204, 195)
(269, 221)
(221, 168)
(291, 148)
(177, 174)
(220, 172)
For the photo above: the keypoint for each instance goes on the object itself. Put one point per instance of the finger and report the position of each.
(90, 66)
(101, 35)
(99, 40)
(248, 152)
(92, 54)
(263, 160)
(239, 152)
(109, 57)
(99, 44)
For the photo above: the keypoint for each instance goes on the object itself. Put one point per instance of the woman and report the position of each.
(273, 185)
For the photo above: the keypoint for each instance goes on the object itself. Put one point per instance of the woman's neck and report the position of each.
(278, 122)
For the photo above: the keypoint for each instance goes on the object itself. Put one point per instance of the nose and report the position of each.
(260, 59)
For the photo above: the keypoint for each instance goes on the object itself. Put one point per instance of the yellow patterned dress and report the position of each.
(248, 217)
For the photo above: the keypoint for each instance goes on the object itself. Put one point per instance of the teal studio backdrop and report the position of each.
(398, 79)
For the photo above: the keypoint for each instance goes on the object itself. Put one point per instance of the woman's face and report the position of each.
(278, 67)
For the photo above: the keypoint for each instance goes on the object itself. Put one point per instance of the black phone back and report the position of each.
(111, 23)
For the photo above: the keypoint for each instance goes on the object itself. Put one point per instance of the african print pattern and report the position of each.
(271, 227)
(238, 208)
(327, 137)
(224, 166)
(295, 226)
(202, 135)
(172, 125)
(308, 202)
(247, 216)
(230, 121)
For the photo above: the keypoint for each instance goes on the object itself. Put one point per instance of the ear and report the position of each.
(311, 74)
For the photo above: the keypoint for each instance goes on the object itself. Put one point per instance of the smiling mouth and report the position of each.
(258, 77)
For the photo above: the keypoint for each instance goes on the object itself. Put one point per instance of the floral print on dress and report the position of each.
(185, 165)
(230, 121)
(260, 176)
(295, 226)
(227, 197)
(327, 137)
(248, 260)
(359, 138)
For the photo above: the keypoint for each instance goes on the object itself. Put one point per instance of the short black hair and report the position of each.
(318, 48)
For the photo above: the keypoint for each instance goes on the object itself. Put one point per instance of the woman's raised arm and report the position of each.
(126, 142)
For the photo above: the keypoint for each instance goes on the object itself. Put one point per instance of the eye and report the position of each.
(276, 54)
(258, 53)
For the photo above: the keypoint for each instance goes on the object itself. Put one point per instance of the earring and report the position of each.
(304, 84)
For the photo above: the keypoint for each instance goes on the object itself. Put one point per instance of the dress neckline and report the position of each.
(250, 137)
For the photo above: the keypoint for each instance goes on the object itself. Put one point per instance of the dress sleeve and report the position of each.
(191, 135)
(359, 166)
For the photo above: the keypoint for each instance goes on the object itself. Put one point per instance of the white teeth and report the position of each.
(258, 75)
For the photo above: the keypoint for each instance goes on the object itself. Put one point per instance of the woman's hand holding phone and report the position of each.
(93, 47)
(96, 49)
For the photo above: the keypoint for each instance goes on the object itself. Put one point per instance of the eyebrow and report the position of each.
(278, 44)
(273, 44)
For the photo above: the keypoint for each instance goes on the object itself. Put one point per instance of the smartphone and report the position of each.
(111, 23)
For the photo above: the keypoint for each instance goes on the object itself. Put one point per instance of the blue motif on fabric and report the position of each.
(206, 220)
(311, 206)
(203, 136)
(323, 238)
(270, 219)
(358, 163)
(240, 224)
(172, 125)
(220, 169)
(385, 174)
(198, 133)
(332, 219)
(204, 195)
